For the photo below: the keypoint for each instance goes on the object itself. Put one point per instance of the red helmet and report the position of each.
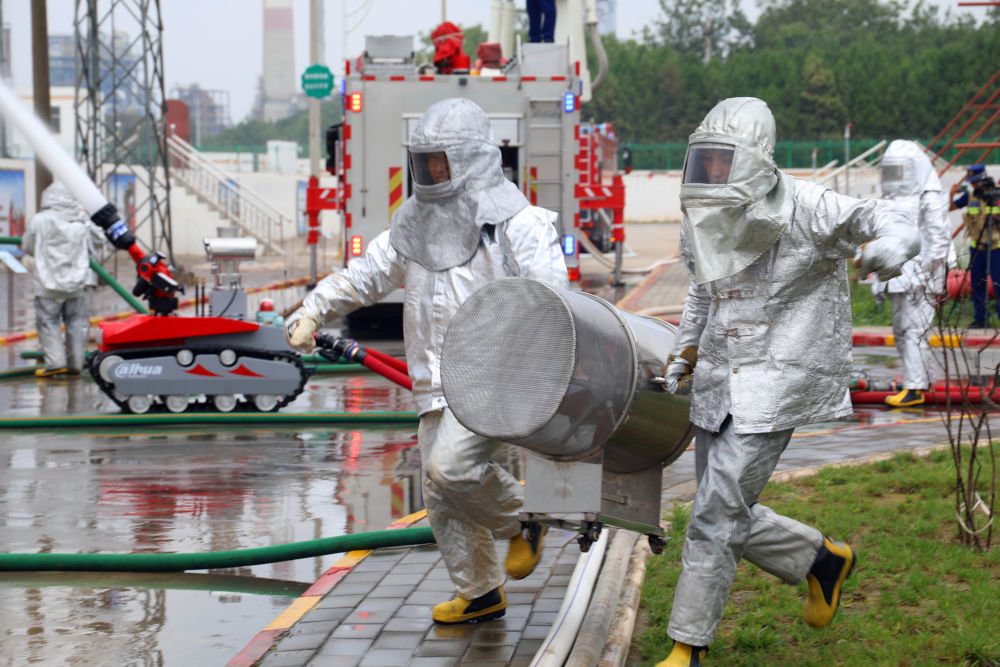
(267, 304)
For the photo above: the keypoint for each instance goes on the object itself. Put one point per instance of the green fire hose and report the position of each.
(178, 562)
(187, 418)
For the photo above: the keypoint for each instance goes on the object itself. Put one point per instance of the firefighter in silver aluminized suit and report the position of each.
(62, 241)
(908, 179)
(764, 345)
(465, 226)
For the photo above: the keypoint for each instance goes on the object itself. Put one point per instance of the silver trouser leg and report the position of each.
(76, 311)
(727, 524)
(48, 320)
(912, 319)
(470, 500)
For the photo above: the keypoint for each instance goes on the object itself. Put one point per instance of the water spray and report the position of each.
(154, 280)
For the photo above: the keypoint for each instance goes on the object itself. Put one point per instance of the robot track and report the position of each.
(208, 378)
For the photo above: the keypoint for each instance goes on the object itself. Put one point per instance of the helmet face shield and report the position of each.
(893, 179)
(430, 168)
(708, 163)
(892, 172)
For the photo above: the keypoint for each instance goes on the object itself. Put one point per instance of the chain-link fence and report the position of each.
(788, 154)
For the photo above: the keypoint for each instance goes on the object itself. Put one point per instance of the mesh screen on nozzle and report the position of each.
(547, 369)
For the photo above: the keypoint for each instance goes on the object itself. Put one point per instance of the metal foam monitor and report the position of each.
(570, 378)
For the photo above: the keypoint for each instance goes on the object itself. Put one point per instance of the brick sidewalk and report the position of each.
(380, 614)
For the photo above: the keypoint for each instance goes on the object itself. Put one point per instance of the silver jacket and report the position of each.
(527, 244)
(908, 178)
(774, 344)
(62, 240)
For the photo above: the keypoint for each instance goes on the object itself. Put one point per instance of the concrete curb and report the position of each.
(604, 602)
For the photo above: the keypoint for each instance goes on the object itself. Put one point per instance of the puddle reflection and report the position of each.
(186, 489)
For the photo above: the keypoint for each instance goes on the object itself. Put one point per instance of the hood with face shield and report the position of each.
(458, 185)
(733, 196)
(906, 171)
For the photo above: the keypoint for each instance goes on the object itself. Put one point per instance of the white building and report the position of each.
(63, 108)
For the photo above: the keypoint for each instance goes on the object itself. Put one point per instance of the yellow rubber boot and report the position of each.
(905, 398)
(833, 565)
(484, 608)
(524, 554)
(684, 655)
(47, 372)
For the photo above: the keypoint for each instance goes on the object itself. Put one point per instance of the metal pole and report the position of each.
(4, 73)
(444, 10)
(847, 158)
(315, 25)
(40, 82)
(197, 115)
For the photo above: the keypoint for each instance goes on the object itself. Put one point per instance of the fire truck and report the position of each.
(533, 102)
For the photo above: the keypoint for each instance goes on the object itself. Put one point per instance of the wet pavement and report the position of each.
(201, 488)
(183, 489)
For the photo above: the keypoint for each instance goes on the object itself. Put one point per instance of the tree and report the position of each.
(256, 132)
(707, 27)
(822, 109)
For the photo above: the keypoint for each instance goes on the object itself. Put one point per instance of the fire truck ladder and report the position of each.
(543, 142)
(970, 124)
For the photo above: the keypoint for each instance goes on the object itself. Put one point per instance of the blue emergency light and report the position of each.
(569, 245)
(569, 102)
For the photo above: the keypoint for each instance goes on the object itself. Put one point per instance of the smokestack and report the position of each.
(278, 89)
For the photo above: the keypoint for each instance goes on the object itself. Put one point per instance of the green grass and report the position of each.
(864, 312)
(916, 597)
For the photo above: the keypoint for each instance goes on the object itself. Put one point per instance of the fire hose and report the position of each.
(385, 365)
(178, 562)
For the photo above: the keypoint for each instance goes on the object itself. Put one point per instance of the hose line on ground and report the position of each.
(179, 562)
(242, 418)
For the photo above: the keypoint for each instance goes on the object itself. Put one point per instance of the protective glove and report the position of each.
(878, 293)
(884, 255)
(678, 373)
(299, 332)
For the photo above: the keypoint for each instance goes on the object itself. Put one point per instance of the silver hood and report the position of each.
(906, 171)
(57, 197)
(439, 227)
(733, 220)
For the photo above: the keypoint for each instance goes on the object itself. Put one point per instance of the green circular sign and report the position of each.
(317, 81)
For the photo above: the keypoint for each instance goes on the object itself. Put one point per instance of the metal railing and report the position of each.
(857, 163)
(221, 192)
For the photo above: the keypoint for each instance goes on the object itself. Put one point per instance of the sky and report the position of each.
(217, 43)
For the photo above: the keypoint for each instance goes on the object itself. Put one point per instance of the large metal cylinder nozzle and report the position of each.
(230, 248)
(563, 374)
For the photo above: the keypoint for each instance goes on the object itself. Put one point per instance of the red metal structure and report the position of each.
(600, 183)
(966, 130)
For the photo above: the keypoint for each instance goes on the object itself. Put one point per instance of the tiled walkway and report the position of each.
(380, 614)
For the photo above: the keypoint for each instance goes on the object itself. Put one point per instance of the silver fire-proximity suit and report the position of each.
(62, 240)
(444, 243)
(768, 310)
(908, 179)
